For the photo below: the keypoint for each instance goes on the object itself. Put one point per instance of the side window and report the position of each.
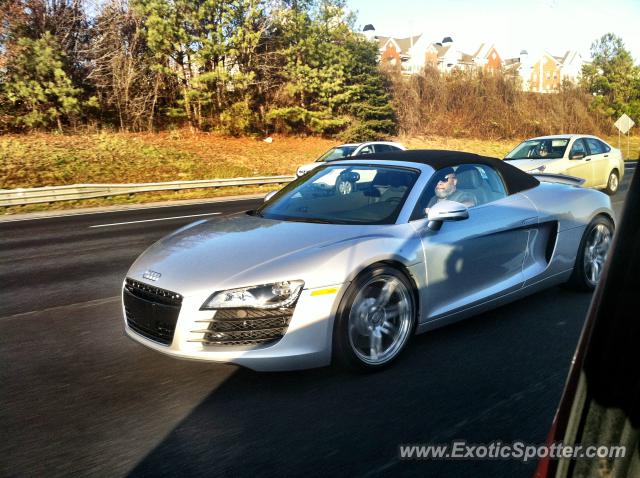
(605, 147)
(469, 184)
(595, 146)
(366, 150)
(382, 148)
(578, 147)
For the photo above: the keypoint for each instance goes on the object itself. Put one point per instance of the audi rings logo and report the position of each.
(151, 275)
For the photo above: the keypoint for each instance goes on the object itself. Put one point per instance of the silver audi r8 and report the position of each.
(349, 262)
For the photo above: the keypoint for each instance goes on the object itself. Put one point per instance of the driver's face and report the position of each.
(446, 186)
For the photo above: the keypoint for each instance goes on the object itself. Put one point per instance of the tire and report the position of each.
(613, 183)
(344, 187)
(591, 256)
(375, 320)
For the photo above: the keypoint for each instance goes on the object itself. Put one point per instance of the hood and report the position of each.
(529, 164)
(237, 251)
(305, 168)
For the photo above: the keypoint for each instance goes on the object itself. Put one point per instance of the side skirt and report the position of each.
(451, 318)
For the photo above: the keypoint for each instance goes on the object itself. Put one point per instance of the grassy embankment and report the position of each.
(54, 160)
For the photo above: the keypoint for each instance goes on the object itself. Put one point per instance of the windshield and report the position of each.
(343, 194)
(540, 149)
(336, 153)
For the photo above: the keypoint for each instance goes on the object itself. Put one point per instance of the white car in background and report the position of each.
(349, 150)
(583, 156)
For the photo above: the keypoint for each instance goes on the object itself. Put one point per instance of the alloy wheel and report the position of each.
(613, 182)
(595, 252)
(380, 319)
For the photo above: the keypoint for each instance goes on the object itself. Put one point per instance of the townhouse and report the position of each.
(541, 74)
(544, 73)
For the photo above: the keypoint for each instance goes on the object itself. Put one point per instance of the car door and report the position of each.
(580, 163)
(599, 162)
(477, 259)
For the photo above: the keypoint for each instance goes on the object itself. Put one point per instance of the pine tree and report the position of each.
(332, 84)
(40, 92)
(367, 97)
(208, 46)
(313, 35)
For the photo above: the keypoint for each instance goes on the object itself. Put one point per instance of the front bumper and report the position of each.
(306, 343)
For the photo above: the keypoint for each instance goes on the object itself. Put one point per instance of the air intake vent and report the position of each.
(245, 327)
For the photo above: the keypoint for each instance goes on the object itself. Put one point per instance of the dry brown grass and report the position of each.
(499, 148)
(53, 160)
(493, 148)
(630, 150)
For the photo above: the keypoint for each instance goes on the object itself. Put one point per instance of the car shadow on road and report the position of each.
(497, 376)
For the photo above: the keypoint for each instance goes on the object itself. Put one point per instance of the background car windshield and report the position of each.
(344, 194)
(336, 153)
(540, 149)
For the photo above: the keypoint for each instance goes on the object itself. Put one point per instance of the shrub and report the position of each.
(473, 104)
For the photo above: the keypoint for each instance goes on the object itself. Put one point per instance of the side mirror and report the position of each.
(269, 195)
(579, 155)
(446, 211)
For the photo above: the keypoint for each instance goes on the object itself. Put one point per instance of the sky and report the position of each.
(533, 25)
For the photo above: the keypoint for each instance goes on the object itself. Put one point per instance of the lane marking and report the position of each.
(88, 303)
(6, 218)
(157, 219)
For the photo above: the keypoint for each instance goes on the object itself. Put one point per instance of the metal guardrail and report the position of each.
(48, 194)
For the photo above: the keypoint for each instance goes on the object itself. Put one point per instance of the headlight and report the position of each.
(538, 170)
(267, 296)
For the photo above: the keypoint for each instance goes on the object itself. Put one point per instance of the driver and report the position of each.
(543, 149)
(446, 189)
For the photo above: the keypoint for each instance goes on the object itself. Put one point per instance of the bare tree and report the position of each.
(121, 68)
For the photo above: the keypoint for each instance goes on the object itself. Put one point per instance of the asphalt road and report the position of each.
(78, 398)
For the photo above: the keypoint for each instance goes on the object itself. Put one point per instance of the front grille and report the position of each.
(155, 294)
(150, 311)
(246, 327)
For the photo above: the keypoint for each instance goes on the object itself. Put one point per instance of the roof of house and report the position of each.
(570, 56)
(404, 44)
(381, 40)
(483, 50)
(557, 59)
(443, 49)
(466, 58)
(512, 68)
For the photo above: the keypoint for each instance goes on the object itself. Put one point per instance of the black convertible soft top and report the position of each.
(515, 179)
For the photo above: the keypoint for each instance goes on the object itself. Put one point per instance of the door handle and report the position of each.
(587, 159)
(606, 155)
